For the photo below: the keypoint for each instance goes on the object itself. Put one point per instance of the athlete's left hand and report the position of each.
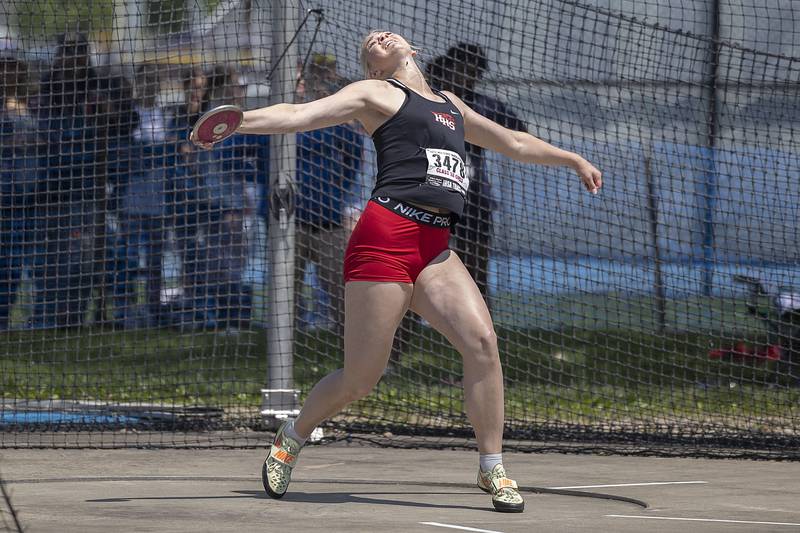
(591, 177)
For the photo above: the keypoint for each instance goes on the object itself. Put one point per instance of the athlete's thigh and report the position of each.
(447, 297)
(373, 311)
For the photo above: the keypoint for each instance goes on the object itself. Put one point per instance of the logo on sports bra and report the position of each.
(446, 119)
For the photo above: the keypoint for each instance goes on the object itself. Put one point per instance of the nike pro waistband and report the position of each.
(414, 213)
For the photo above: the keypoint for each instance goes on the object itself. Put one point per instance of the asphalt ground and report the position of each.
(357, 488)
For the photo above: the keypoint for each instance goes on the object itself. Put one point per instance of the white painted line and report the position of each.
(704, 520)
(462, 528)
(632, 484)
(314, 467)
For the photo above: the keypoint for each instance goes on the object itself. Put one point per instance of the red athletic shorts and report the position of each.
(394, 241)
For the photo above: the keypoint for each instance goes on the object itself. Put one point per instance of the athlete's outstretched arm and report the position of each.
(343, 106)
(338, 108)
(523, 146)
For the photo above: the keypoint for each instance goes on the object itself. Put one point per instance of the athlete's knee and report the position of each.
(484, 339)
(489, 338)
(483, 344)
(357, 387)
(357, 392)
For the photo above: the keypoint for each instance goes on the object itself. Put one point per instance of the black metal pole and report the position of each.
(658, 279)
(711, 168)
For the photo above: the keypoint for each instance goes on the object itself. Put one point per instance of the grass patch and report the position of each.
(574, 377)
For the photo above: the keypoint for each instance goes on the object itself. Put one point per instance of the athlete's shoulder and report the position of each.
(457, 101)
(367, 90)
(378, 95)
(369, 86)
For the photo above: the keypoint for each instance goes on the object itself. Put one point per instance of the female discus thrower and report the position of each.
(397, 258)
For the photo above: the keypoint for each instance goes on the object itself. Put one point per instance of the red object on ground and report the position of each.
(773, 352)
(718, 353)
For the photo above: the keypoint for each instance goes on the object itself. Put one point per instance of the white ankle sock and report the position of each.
(292, 434)
(490, 460)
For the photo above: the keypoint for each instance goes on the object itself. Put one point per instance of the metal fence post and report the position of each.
(280, 399)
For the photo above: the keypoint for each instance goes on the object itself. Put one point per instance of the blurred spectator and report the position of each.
(196, 101)
(458, 71)
(119, 120)
(18, 166)
(230, 173)
(116, 118)
(67, 190)
(187, 201)
(118, 110)
(328, 164)
(153, 127)
(226, 86)
(141, 229)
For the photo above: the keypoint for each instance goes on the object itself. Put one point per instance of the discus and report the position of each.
(217, 124)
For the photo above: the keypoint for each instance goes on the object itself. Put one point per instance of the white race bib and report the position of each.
(446, 169)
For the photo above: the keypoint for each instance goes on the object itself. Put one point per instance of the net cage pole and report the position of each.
(711, 170)
(280, 400)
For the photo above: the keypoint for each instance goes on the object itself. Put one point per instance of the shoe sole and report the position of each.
(265, 481)
(508, 507)
(505, 507)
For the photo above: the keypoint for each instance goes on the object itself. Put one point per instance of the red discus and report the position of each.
(217, 124)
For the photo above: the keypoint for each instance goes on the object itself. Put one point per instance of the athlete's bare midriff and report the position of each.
(437, 210)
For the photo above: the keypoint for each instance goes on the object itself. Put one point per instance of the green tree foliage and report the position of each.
(36, 18)
(50, 17)
(166, 16)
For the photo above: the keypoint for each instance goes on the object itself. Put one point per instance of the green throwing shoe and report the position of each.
(277, 470)
(505, 493)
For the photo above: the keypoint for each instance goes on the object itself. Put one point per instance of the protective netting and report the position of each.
(658, 316)
(9, 517)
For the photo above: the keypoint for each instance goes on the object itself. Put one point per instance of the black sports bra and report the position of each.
(421, 153)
